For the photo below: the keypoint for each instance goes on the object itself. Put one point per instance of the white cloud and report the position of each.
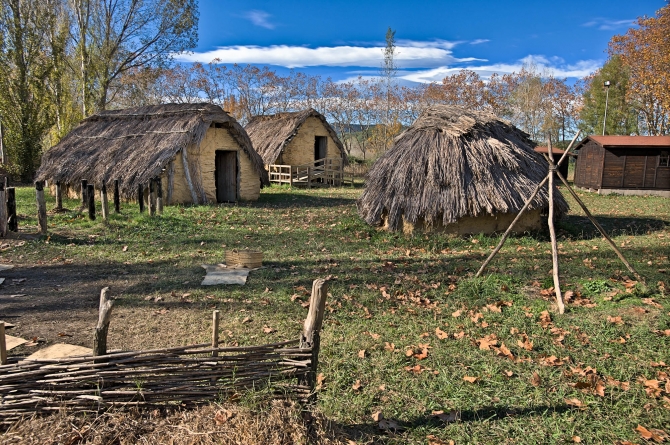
(554, 66)
(410, 54)
(478, 41)
(259, 18)
(605, 24)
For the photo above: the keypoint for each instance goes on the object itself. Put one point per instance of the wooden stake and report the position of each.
(312, 329)
(84, 190)
(599, 227)
(552, 231)
(152, 197)
(12, 222)
(215, 332)
(187, 175)
(140, 197)
(159, 195)
(3, 344)
(104, 317)
(3, 210)
(90, 196)
(59, 197)
(170, 185)
(105, 202)
(41, 207)
(117, 197)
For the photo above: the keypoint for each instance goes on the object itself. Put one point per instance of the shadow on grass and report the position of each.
(288, 200)
(580, 227)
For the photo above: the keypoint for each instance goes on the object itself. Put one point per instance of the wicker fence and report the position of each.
(184, 375)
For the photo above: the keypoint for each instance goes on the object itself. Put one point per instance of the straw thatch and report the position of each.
(135, 145)
(450, 164)
(272, 133)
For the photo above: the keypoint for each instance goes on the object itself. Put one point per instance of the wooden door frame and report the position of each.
(237, 175)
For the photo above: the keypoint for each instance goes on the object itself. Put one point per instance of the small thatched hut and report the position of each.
(457, 171)
(297, 139)
(199, 151)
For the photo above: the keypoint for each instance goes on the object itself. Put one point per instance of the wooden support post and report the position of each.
(104, 201)
(152, 197)
(117, 197)
(187, 175)
(90, 196)
(104, 317)
(552, 231)
(3, 210)
(3, 344)
(140, 197)
(41, 207)
(312, 329)
(600, 228)
(309, 178)
(59, 197)
(12, 221)
(215, 332)
(170, 182)
(159, 195)
(84, 191)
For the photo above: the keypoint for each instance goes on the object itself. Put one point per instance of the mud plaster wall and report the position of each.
(300, 150)
(531, 220)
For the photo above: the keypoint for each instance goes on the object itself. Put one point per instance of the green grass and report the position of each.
(392, 289)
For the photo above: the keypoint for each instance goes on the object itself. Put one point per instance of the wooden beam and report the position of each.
(159, 195)
(215, 332)
(3, 344)
(12, 221)
(41, 207)
(84, 190)
(552, 231)
(117, 197)
(59, 197)
(312, 328)
(152, 197)
(90, 196)
(140, 197)
(105, 202)
(170, 185)
(104, 317)
(187, 175)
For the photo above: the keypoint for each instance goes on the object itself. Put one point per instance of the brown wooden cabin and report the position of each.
(628, 165)
(557, 152)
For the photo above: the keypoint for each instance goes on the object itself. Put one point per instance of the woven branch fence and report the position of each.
(184, 375)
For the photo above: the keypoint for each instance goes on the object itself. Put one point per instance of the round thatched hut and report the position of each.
(199, 151)
(457, 171)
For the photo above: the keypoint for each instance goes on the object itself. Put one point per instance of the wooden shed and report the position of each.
(199, 151)
(627, 165)
(557, 152)
(457, 171)
(298, 147)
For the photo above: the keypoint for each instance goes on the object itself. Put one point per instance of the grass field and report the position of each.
(409, 332)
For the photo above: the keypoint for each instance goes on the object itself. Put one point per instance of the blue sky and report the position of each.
(344, 39)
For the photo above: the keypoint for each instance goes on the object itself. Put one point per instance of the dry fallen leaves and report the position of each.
(361, 353)
(434, 440)
(470, 379)
(656, 435)
(222, 416)
(574, 402)
(614, 320)
(441, 334)
(536, 380)
(357, 385)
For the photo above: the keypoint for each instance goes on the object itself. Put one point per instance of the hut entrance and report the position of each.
(225, 175)
(320, 144)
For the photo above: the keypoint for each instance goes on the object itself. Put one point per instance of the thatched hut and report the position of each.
(292, 142)
(457, 171)
(199, 151)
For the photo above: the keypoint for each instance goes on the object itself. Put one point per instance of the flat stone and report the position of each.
(220, 274)
(6, 266)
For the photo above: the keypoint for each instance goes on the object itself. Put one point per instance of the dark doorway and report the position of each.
(225, 175)
(320, 147)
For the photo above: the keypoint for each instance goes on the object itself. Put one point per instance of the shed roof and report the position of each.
(628, 141)
(134, 145)
(270, 134)
(451, 163)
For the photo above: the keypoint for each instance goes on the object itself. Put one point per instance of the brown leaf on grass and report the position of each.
(545, 319)
(576, 439)
(268, 330)
(486, 342)
(457, 313)
(614, 320)
(508, 373)
(377, 416)
(125, 249)
(434, 440)
(536, 380)
(470, 379)
(656, 435)
(459, 335)
(320, 378)
(552, 360)
(574, 402)
(525, 343)
(493, 308)
(389, 346)
(222, 416)
(505, 352)
(625, 386)
(441, 334)
(357, 385)
(651, 302)
(361, 353)
(475, 318)
(651, 387)
(416, 369)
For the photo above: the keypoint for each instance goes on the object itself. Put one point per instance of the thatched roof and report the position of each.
(271, 134)
(452, 163)
(136, 144)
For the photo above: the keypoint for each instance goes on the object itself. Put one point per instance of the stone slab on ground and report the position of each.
(12, 342)
(6, 266)
(60, 350)
(220, 274)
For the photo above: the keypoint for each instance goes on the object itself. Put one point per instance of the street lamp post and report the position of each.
(607, 94)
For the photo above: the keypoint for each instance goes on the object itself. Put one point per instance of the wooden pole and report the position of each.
(12, 222)
(105, 202)
(215, 332)
(3, 210)
(90, 196)
(599, 227)
(59, 197)
(187, 175)
(552, 231)
(104, 317)
(140, 197)
(312, 329)
(152, 197)
(84, 190)
(41, 207)
(3, 344)
(117, 197)
(159, 195)
(170, 182)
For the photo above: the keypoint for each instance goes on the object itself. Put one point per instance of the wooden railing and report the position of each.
(326, 171)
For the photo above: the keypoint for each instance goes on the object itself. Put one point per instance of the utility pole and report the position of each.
(607, 95)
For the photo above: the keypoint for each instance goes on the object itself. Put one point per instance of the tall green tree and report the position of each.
(621, 115)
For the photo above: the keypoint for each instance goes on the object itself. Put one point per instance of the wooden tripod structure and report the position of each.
(553, 169)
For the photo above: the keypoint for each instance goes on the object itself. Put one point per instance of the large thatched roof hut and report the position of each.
(458, 171)
(137, 144)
